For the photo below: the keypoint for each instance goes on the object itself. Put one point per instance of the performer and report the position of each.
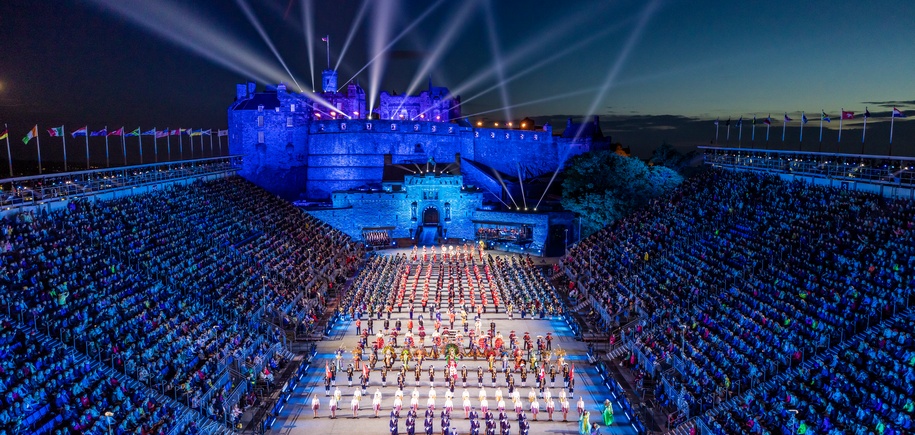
(581, 405)
(523, 376)
(428, 424)
(398, 403)
(550, 407)
(584, 426)
(474, 423)
(449, 402)
(400, 382)
(384, 376)
(327, 379)
(414, 400)
(480, 376)
(552, 375)
(315, 404)
(511, 383)
(490, 424)
(524, 426)
(431, 376)
(376, 402)
(535, 408)
(393, 423)
(411, 420)
(349, 374)
(332, 404)
(337, 395)
(484, 406)
(355, 403)
(608, 413)
(446, 422)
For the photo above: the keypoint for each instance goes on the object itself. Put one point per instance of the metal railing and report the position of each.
(39, 189)
(886, 170)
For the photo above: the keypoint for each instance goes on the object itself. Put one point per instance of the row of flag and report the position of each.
(823, 117)
(84, 131)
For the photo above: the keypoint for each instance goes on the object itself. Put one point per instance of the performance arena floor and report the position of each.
(297, 417)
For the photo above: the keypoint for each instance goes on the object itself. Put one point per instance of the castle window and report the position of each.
(492, 135)
(535, 136)
(292, 107)
(368, 125)
(260, 137)
(393, 127)
(507, 135)
(342, 126)
(260, 121)
(415, 127)
(418, 148)
(433, 129)
(289, 121)
(260, 108)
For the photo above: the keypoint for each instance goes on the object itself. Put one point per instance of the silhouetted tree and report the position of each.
(604, 186)
(668, 156)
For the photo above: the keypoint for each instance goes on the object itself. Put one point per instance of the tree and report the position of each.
(603, 186)
(668, 156)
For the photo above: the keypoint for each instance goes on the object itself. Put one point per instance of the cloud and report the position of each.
(408, 54)
(891, 104)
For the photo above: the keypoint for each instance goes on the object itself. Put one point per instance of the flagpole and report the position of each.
(38, 143)
(841, 117)
(168, 144)
(219, 138)
(753, 134)
(156, 144)
(140, 138)
(63, 136)
(87, 148)
(892, 119)
(727, 139)
(107, 153)
(716, 135)
(9, 156)
(821, 129)
(802, 130)
(769, 124)
(784, 126)
(211, 142)
(739, 132)
(180, 145)
(124, 145)
(864, 130)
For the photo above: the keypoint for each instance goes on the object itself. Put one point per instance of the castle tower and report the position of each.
(329, 80)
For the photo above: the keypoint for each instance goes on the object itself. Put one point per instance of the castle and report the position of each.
(297, 148)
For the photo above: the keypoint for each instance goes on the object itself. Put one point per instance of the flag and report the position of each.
(572, 371)
(226, 132)
(825, 117)
(161, 134)
(848, 115)
(326, 370)
(325, 38)
(32, 133)
(768, 120)
(102, 132)
(207, 132)
(727, 123)
(196, 132)
(787, 119)
(803, 118)
(5, 134)
(867, 113)
(56, 131)
(716, 123)
(898, 113)
(136, 132)
(184, 131)
(80, 132)
(754, 120)
(118, 132)
(174, 133)
(149, 132)
(740, 121)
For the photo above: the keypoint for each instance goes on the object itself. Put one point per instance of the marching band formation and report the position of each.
(419, 321)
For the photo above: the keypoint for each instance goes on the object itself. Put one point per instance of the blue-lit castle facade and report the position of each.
(297, 148)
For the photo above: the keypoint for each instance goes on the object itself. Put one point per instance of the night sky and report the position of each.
(659, 70)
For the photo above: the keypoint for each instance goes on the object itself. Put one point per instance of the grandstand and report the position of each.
(159, 312)
(754, 296)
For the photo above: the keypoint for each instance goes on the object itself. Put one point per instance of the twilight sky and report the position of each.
(654, 70)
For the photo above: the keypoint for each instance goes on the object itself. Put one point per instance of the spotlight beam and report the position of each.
(352, 31)
(397, 38)
(541, 63)
(528, 48)
(539, 100)
(443, 41)
(381, 32)
(260, 30)
(308, 26)
(497, 56)
(521, 183)
(630, 43)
